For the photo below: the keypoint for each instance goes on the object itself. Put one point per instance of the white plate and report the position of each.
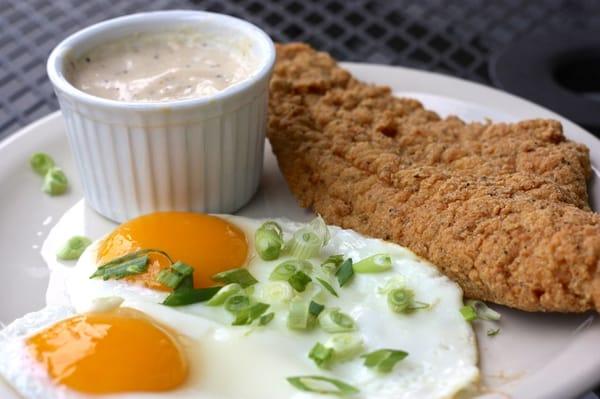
(534, 356)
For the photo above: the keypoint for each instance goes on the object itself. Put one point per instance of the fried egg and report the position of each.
(219, 360)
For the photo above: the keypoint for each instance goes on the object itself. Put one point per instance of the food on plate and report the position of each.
(163, 66)
(502, 209)
(329, 311)
(55, 181)
(73, 248)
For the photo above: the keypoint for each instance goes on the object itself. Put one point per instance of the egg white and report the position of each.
(234, 362)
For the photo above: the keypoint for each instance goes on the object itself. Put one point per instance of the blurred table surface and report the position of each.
(452, 37)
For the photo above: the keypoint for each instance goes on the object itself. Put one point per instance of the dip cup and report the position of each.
(202, 154)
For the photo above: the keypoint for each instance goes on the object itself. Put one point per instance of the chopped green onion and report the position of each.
(74, 247)
(224, 294)
(333, 320)
(374, 264)
(55, 181)
(190, 296)
(384, 360)
(118, 271)
(182, 268)
(327, 286)
(133, 255)
(345, 345)
(483, 311)
(345, 272)
(250, 313)
(41, 163)
(402, 300)
(299, 280)
(186, 283)
(169, 278)
(491, 332)
(274, 292)
(234, 304)
(315, 308)
(321, 355)
(240, 276)
(332, 263)
(319, 226)
(335, 259)
(468, 313)
(266, 319)
(322, 385)
(305, 244)
(269, 241)
(286, 269)
(299, 317)
(179, 275)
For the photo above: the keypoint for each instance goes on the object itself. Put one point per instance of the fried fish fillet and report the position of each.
(502, 209)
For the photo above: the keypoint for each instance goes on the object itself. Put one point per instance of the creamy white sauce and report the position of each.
(162, 66)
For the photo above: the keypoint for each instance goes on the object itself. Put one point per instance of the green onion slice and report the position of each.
(331, 264)
(468, 312)
(315, 308)
(176, 275)
(319, 226)
(322, 385)
(299, 316)
(383, 360)
(321, 355)
(127, 265)
(345, 345)
(402, 300)
(133, 255)
(286, 269)
(73, 248)
(169, 278)
(333, 320)
(345, 272)
(190, 296)
(41, 162)
(374, 264)
(492, 332)
(236, 303)
(182, 268)
(268, 241)
(327, 286)
(55, 181)
(274, 292)
(224, 293)
(305, 244)
(266, 319)
(334, 259)
(250, 313)
(240, 276)
(299, 280)
(483, 311)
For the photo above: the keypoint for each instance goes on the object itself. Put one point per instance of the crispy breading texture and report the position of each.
(502, 209)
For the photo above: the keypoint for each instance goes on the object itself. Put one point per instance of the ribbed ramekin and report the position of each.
(203, 154)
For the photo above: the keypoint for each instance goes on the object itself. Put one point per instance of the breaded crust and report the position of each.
(502, 209)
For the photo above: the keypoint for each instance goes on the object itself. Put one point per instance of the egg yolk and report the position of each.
(207, 243)
(113, 352)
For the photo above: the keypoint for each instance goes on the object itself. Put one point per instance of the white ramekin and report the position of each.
(203, 154)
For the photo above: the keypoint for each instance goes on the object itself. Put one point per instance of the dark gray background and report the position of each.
(451, 37)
